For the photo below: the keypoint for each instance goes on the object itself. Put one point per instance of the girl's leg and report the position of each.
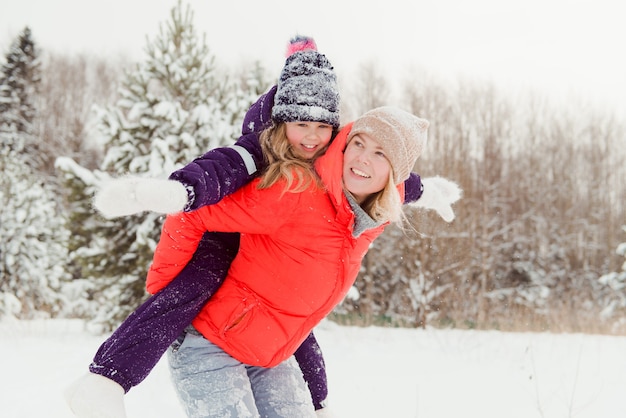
(281, 392)
(311, 361)
(209, 382)
(132, 351)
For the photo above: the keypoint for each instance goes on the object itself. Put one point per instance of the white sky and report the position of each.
(561, 46)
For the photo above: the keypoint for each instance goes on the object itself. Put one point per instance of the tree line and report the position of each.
(537, 244)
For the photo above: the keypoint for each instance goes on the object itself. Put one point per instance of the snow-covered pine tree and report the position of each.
(19, 81)
(33, 246)
(174, 106)
(88, 239)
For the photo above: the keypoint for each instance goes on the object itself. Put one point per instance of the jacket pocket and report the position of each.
(239, 318)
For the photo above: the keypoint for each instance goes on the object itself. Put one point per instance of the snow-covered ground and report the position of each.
(373, 372)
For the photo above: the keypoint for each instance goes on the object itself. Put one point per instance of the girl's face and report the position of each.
(308, 138)
(366, 169)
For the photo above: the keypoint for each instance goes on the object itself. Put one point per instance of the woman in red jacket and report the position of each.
(304, 235)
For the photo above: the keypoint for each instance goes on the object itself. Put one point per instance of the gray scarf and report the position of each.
(362, 221)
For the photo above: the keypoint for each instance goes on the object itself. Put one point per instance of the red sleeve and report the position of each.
(249, 210)
(180, 236)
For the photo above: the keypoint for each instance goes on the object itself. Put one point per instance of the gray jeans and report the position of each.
(211, 383)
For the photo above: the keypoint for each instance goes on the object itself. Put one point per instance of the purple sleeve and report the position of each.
(413, 188)
(220, 172)
(259, 116)
(311, 362)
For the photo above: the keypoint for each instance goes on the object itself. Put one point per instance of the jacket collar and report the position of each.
(330, 169)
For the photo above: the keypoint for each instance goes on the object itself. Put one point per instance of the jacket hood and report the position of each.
(330, 166)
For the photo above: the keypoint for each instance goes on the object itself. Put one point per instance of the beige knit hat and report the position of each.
(402, 136)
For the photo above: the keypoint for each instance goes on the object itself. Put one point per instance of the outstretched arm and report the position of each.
(218, 173)
(204, 181)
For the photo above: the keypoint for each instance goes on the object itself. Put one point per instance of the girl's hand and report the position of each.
(131, 195)
(439, 194)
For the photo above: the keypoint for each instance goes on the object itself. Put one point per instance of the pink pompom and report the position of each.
(300, 43)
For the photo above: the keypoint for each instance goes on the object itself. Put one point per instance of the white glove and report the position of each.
(324, 413)
(95, 396)
(439, 194)
(130, 195)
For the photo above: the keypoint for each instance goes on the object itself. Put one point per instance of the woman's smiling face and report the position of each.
(366, 169)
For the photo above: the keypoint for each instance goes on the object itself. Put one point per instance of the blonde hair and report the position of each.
(386, 204)
(283, 163)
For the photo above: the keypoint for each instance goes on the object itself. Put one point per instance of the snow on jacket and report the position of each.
(298, 258)
(222, 171)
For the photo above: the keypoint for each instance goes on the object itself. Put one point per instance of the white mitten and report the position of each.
(439, 194)
(95, 396)
(324, 413)
(130, 195)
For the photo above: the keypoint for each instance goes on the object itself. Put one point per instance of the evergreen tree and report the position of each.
(19, 81)
(173, 107)
(33, 245)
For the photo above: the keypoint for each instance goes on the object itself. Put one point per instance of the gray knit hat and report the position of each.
(307, 87)
(402, 136)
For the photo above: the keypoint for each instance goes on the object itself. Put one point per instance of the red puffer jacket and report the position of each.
(297, 260)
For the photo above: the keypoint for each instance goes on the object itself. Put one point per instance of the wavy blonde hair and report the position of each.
(283, 163)
(386, 204)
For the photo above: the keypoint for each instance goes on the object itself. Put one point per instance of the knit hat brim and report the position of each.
(295, 112)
